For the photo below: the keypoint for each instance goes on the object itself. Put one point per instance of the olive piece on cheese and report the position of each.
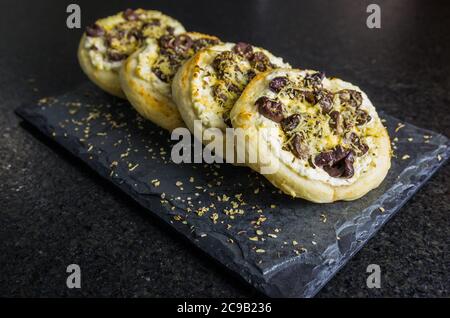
(243, 49)
(291, 122)
(270, 109)
(278, 83)
(95, 30)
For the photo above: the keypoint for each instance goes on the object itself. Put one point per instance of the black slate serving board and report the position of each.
(283, 247)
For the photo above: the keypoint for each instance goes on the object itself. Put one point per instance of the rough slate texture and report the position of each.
(284, 247)
(55, 211)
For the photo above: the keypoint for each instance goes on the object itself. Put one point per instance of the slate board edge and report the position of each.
(391, 214)
(64, 142)
(261, 285)
(445, 153)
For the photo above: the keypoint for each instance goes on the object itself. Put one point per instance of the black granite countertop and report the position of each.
(55, 211)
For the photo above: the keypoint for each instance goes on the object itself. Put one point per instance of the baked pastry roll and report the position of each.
(107, 43)
(327, 142)
(207, 86)
(147, 75)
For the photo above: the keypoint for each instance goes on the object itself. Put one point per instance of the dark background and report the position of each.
(54, 211)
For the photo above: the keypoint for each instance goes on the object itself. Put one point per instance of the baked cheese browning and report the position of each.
(175, 50)
(111, 40)
(316, 138)
(325, 126)
(233, 70)
(146, 76)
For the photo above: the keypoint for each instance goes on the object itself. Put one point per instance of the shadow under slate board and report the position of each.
(283, 247)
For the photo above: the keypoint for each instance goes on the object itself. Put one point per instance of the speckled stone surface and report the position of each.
(55, 212)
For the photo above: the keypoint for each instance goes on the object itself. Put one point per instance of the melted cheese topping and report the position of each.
(118, 38)
(151, 57)
(313, 122)
(211, 112)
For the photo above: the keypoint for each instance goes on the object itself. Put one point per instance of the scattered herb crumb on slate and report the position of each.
(220, 202)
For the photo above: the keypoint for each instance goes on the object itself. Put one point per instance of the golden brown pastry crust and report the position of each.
(107, 80)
